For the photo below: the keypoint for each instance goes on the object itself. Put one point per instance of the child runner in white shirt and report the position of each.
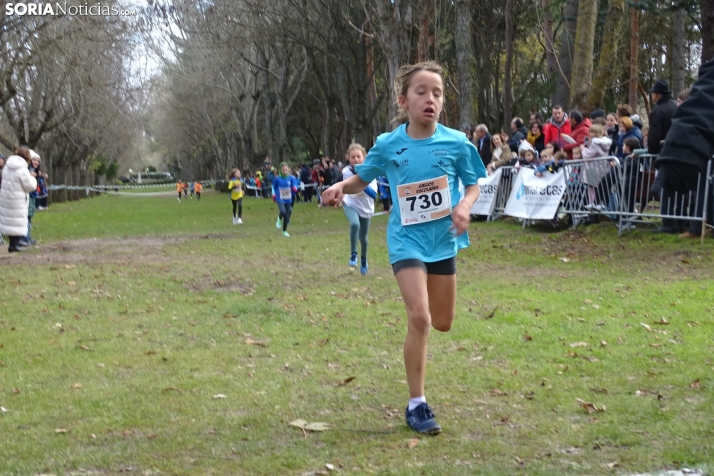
(423, 161)
(358, 208)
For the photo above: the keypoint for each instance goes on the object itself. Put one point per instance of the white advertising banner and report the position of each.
(535, 198)
(487, 198)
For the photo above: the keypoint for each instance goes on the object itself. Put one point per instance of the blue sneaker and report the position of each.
(421, 420)
(364, 268)
(353, 260)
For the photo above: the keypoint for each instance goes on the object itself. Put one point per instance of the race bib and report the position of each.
(421, 202)
(285, 193)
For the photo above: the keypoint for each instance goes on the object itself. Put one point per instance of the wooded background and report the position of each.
(231, 82)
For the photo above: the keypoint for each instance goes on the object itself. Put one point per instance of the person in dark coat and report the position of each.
(688, 148)
(306, 179)
(518, 133)
(661, 116)
(482, 141)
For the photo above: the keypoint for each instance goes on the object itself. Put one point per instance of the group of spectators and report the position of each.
(547, 144)
(23, 190)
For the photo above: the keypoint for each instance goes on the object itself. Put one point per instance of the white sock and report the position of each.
(415, 402)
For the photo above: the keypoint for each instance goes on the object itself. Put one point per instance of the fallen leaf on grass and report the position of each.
(84, 347)
(641, 393)
(497, 393)
(600, 390)
(647, 328)
(695, 384)
(168, 389)
(662, 322)
(69, 266)
(590, 407)
(527, 338)
(61, 430)
(76, 386)
(579, 344)
(412, 442)
(492, 313)
(3, 410)
(250, 341)
(315, 426)
(346, 381)
(16, 391)
(657, 345)
(219, 395)
(611, 465)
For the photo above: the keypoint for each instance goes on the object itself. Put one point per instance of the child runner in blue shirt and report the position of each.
(284, 185)
(423, 161)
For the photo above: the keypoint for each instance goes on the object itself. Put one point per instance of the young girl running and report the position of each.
(284, 186)
(235, 185)
(198, 186)
(423, 161)
(358, 208)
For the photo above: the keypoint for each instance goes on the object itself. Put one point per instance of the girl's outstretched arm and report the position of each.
(333, 195)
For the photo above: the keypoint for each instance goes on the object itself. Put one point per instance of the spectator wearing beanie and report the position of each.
(661, 116)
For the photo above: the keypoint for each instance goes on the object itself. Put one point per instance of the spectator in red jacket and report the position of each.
(580, 129)
(556, 126)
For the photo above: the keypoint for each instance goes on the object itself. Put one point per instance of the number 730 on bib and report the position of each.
(421, 202)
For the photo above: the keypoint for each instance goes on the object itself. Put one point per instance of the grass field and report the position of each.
(146, 336)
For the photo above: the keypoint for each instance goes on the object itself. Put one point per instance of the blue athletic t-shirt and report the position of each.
(405, 160)
(283, 188)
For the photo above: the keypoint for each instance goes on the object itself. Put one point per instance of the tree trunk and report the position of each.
(679, 61)
(394, 22)
(426, 38)
(565, 56)
(707, 9)
(634, 43)
(550, 58)
(464, 61)
(605, 73)
(369, 63)
(507, 86)
(582, 73)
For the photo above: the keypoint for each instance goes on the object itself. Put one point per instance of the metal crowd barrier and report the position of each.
(622, 192)
(640, 206)
(505, 185)
(591, 188)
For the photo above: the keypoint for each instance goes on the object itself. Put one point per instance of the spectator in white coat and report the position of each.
(17, 183)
